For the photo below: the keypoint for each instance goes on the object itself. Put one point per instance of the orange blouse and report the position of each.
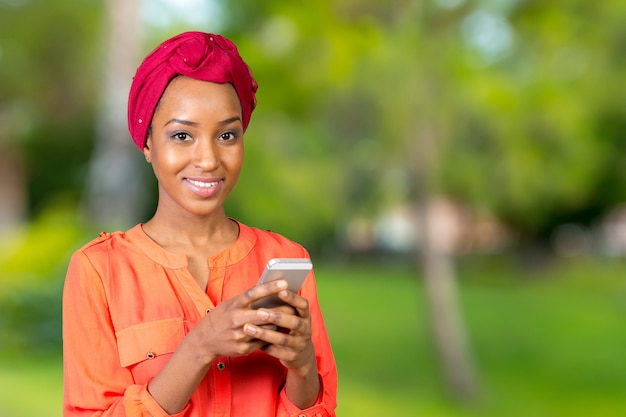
(127, 305)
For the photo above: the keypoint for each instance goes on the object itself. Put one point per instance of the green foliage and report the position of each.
(49, 79)
(528, 122)
(282, 174)
(49, 57)
(524, 121)
(54, 147)
(348, 93)
(33, 262)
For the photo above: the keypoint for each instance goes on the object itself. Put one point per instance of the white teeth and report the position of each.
(202, 184)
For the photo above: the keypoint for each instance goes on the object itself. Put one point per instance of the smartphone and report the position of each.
(292, 270)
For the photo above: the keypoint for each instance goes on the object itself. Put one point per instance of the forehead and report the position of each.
(184, 94)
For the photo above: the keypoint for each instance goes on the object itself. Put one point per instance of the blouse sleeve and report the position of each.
(94, 381)
(326, 366)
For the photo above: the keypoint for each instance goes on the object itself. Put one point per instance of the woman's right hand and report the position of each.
(221, 333)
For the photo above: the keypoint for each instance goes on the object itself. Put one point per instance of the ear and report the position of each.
(146, 148)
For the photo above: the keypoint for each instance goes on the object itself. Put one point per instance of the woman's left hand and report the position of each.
(291, 341)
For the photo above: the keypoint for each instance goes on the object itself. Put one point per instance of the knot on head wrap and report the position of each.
(198, 55)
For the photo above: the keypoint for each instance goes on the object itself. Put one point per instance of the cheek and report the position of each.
(233, 158)
(237, 160)
(165, 169)
(169, 161)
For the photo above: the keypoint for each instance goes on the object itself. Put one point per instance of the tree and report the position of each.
(527, 119)
(116, 189)
(48, 52)
(375, 104)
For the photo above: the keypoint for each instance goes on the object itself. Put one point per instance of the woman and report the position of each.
(157, 321)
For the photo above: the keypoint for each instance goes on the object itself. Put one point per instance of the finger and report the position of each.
(258, 292)
(267, 336)
(295, 358)
(298, 302)
(286, 323)
(284, 309)
(249, 347)
(291, 350)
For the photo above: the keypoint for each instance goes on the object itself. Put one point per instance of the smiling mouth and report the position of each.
(203, 184)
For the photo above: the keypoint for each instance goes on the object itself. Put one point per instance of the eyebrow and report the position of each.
(190, 123)
(230, 120)
(181, 121)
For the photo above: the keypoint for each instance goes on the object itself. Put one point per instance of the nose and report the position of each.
(205, 155)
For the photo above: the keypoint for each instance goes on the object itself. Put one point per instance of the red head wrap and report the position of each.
(202, 56)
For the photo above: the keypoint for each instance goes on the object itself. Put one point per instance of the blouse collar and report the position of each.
(231, 255)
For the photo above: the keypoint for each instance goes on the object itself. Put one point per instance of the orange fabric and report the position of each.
(128, 303)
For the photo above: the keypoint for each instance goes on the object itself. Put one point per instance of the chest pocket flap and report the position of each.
(150, 340)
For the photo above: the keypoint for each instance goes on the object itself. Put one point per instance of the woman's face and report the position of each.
(195, 146)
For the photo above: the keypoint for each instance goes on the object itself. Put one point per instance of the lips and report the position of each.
(204, 187)
(203, 184)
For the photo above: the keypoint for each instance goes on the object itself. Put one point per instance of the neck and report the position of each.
(191, 230)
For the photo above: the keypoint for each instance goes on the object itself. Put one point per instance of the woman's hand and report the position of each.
(234, 328)
(219, 333)
(222, 331)
(291, 343)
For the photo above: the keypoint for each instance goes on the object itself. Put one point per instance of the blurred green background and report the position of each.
(496, 124)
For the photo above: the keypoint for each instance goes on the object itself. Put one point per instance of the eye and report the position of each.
(181, 136)
(228, 136)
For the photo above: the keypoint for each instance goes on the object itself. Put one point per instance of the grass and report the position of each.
(546, 343)
(31, 386)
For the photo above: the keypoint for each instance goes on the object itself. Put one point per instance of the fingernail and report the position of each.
(251, 330)
(281, 284)
(263, 315)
